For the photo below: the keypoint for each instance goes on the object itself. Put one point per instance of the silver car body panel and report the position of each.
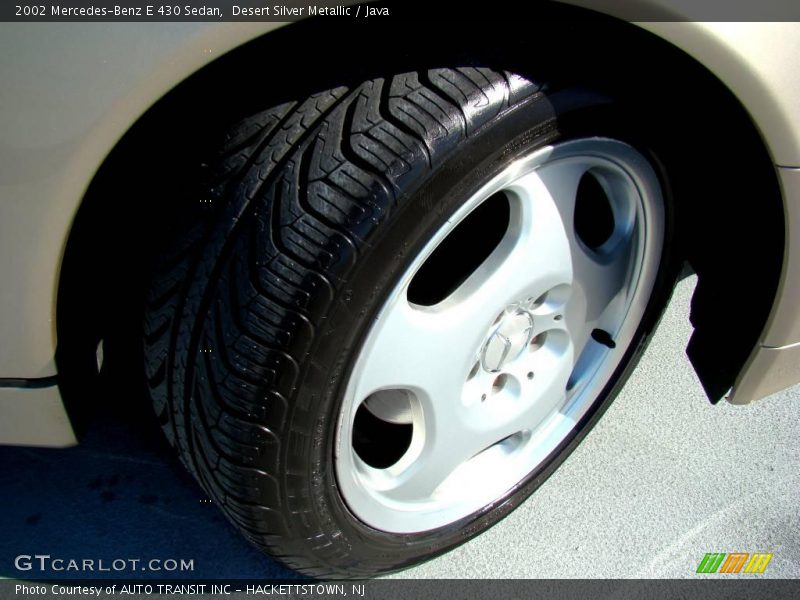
(34, 417)
(70, 92)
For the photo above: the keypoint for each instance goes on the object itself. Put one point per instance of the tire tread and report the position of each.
(236, 302)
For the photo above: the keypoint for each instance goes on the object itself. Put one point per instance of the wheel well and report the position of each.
(703, 136)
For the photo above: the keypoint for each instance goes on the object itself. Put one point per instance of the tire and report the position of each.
(297, 330)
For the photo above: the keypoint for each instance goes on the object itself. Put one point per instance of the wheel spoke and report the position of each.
(448, 446)
(443, 452)
(426, 351)
(532, 258)
(600, 276)
(600, 283)
(448, 452)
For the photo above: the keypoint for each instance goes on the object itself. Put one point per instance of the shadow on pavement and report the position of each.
(120, 494)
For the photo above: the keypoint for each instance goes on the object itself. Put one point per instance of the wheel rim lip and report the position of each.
(361, 485)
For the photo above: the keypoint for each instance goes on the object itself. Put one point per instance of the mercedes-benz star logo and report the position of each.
(507, 340)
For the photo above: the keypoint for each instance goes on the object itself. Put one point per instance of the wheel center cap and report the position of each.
(507, 339)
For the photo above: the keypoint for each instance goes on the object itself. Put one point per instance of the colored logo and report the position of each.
(735, 562)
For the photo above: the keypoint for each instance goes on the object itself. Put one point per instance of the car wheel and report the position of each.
(400, 306)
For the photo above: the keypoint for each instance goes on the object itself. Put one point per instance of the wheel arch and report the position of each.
(167, 124)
